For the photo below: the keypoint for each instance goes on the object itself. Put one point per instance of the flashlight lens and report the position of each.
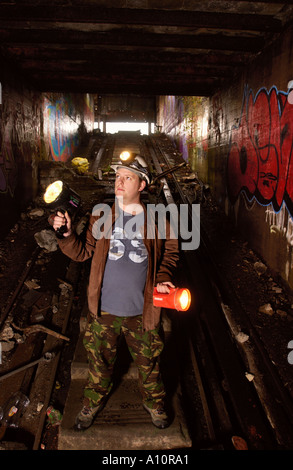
(53, 191)
(185, 299)
(124, 155)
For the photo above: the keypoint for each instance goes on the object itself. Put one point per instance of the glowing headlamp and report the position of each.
(177, 298)
(125, 156)
(61, 198)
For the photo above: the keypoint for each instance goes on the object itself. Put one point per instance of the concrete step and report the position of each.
(123, 424)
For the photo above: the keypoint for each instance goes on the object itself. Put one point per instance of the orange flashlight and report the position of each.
(177, 298)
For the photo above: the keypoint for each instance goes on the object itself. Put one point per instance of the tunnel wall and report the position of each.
(34, 127)
(66, 118)
(240, 141)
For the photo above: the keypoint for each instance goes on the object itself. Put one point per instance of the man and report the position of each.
(125, 267)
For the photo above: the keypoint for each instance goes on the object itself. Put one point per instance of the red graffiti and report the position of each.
(259, 157)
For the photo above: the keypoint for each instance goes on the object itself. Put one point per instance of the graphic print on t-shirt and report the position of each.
(121, 245)
(125, 272)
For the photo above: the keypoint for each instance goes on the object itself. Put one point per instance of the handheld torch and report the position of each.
(60, 197)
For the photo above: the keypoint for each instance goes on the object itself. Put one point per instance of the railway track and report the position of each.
(223, 409)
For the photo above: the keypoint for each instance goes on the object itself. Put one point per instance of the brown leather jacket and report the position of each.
(163, 256)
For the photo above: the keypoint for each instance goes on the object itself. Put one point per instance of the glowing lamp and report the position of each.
(124, 156)
(177, 298)
(61, 198)
(53, 191)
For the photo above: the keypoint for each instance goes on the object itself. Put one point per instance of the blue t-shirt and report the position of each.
(126, 268)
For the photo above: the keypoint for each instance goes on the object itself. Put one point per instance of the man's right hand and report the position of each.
(61, 219)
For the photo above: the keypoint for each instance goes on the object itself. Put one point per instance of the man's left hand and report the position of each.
(164, 287)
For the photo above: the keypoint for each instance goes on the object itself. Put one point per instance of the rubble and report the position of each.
(9, 338)
(260, 268)
(32, 284)
(276, 289)
(282, 313)
(6, 346)
(7, 333)
(40, 406)
(267, 309)
(242, 337)
(36, 213)
(47, 239)
(249, 376)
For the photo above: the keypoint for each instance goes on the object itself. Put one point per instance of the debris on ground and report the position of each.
(47, 239)
(242, 337)
(267, 309)
(81, 165)
(36, 213)
(54, 416)
(260, 268)
(249, 376)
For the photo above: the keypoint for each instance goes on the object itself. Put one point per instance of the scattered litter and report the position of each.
(242, 337)
(13, 409)
(249, 376)
(54, 416)
(81, 165)
(266, 308)
(47, 239)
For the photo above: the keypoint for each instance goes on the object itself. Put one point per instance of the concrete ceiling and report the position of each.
(177, 47)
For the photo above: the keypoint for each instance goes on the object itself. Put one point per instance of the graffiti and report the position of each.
(280, 223)
(64, 120)
(259, 156)
(62, 129)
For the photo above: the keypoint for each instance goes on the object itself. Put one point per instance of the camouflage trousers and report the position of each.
(101, 340)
